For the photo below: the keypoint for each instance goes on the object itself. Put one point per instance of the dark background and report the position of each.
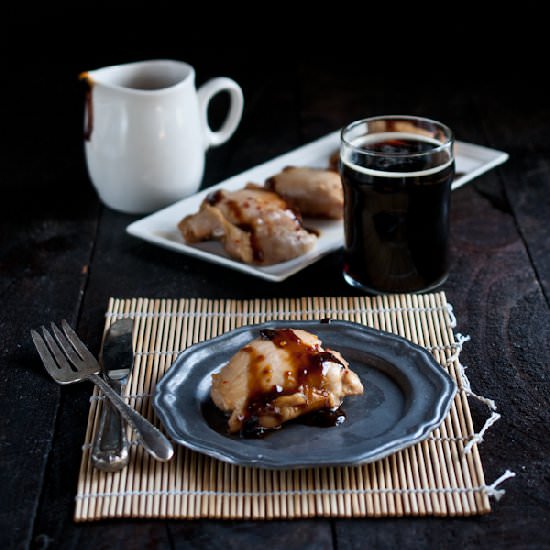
(62, 254)
(365, 48)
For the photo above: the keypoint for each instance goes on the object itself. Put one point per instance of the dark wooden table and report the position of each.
(62, 255)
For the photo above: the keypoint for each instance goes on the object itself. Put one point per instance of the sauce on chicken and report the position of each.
(282, 375)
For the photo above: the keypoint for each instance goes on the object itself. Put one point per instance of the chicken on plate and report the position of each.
(255, 226)
(279, 376)
(315, 192)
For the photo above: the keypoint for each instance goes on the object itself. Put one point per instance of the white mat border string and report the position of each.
(490, 490)
(281, 314)
(477, 437)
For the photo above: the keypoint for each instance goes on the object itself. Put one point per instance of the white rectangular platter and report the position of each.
(160, 228)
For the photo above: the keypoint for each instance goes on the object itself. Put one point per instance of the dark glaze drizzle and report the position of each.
(324, 418)
(89, 126)
(257, 252)
(214, 198)
(270, 184)
(312, 230)
(306, 373)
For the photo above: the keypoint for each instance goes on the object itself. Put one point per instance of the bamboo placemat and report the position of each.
(440, 476)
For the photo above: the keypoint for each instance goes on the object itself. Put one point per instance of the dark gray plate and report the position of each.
(407, 395)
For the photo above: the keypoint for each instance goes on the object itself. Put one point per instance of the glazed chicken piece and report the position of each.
(283, 374)
(254, 224)
(315, 192)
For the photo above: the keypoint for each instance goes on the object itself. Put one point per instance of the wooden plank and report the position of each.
(525, 183)
(219, 535)
(47, 226)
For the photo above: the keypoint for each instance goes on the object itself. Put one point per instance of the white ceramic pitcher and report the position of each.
(147, 132)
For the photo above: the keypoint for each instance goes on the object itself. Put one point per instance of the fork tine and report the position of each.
(77, 343)
(70, 352)
(44, 352)
(45, 355)
(59, 356)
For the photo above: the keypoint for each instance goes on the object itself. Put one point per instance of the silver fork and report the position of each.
(66, 349)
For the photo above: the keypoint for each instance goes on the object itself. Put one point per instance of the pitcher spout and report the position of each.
(144, 77)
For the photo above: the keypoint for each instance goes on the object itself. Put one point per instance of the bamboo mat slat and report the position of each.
(434, 477)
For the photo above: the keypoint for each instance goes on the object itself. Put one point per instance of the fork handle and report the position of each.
(152, 439)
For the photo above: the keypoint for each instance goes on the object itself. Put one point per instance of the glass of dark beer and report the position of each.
(396, 173)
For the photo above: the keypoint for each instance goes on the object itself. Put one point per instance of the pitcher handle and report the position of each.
(205, 93)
